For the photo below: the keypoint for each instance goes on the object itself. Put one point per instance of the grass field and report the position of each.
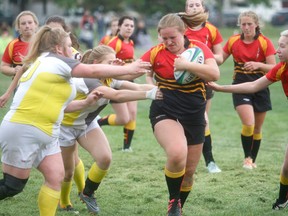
(135, 184)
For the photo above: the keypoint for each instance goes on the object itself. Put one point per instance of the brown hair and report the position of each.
(195, 19)
(24, 13)
(255, 18)
(171, 20)
(61, 21)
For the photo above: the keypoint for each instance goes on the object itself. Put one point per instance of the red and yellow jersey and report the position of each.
(208, 35)
(15, 51)
(242, 52)
(279, 72)
(106, 39)
(162, 62)
(124, 51)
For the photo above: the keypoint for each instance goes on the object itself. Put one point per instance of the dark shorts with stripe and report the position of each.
(260, 101)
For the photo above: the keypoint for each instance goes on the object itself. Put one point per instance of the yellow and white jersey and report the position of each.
(76, 54)
(44, 91)
(82, 118)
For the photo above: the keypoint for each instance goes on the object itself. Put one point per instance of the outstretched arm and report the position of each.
(247, 87)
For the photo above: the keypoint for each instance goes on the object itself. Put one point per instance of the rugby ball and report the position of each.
(194, 54)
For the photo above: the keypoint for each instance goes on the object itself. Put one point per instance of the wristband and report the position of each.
(151, 94)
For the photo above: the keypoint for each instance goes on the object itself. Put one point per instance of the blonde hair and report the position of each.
(284, 33)
(24, 13)
(250, 14)
(97, 54)
(195, 19)
(255, 18)
(45, 40)
(171, 20)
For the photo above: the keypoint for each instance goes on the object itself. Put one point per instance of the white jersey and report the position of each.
(44, 91)
(81, 119)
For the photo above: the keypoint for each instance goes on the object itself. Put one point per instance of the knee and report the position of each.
(11, 186)
(68, 175)
(105, 161)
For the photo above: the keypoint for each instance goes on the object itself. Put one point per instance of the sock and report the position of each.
(283, 191)
(128, 130)
(247, 139)
(48, 200)
(79, 176)
(207, 148)
(256, 145)
(108, 120)
(174, 181)
(94, 179)
(65, 194)
(184, 192)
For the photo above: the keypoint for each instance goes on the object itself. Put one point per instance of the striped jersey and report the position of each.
(242, 52)
(279, 72)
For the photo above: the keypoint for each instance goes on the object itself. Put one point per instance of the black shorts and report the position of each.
(209, 93)
(195, 133)
(260, 101)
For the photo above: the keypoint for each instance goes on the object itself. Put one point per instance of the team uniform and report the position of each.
(45, 90)
(77, 124)
(15, 51)
(208, 35)
(106, 39)
(279, 72)
(256, 51)
(177, 98)
(124, 51)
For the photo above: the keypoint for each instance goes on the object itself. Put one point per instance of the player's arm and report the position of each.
(5, 97)
(8, 70)
(270, 63)
(247, 87)
(209, 71)
(91, 99)
(135, 86)
(218, 55)
(128, 95)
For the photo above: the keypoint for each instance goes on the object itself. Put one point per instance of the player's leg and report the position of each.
(246, 114)
(96, 143)
(130, 127)
(282, 200)
(53, 171)
(257, 135)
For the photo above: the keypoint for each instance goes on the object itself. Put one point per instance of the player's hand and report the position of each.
(213, 86)
(3, 99)
(93, 97)
(139, 67)
(180, 63)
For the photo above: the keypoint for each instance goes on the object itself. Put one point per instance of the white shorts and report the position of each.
(69, 135)
(25, 146)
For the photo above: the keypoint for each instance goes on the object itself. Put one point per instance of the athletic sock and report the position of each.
(256, 146)
(128, 131)
(48, 200)
(65, 194)
(207, 148)
(174, 181)
(108, 120)
(283, 191)
(79, 176)
(184, 192)
(94, 179)
(247, 139)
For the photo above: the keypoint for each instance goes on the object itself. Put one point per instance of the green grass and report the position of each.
(135, 184)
